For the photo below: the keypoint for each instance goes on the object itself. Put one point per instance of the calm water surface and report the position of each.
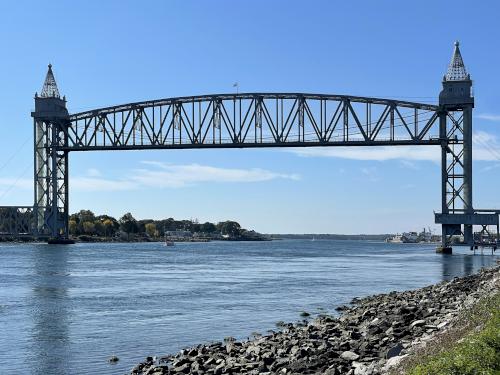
(66, 309)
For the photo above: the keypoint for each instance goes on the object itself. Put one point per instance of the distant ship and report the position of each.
(411, 237)
(395, 239)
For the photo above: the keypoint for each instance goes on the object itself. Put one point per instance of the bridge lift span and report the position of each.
(248, 120)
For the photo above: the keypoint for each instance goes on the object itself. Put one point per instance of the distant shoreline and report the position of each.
(325, 236)
(266, 237)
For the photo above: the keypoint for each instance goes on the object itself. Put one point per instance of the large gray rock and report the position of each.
(349, 356)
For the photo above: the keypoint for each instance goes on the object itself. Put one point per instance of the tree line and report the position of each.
(86, 222)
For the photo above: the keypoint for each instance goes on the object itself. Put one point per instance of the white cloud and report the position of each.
(486, 148)
(490, 167)
(93, 184)
(160, 175)
(20, 183)
(489, 117)
(380, 153)
(170, 175)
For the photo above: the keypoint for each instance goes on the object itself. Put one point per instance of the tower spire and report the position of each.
(456, 69)
(49, 89)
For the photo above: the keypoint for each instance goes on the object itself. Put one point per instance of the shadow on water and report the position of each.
(50, 310)
(459, 265)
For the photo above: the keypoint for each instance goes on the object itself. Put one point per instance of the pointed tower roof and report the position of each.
(456, 69)
(49, 89)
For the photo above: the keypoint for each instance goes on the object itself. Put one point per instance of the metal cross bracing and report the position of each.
(51, 178)
(16, 221)
(254, 120)
(454, 153)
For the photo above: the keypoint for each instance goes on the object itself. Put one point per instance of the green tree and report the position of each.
(99, 227)
(208, 227)
(231, 228)
(128, 224)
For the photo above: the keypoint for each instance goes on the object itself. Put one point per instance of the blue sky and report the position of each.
(114, 52)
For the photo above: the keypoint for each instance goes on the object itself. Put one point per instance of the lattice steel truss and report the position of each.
(453, 162)
(253, 120)
(16, 221)
(51, 178)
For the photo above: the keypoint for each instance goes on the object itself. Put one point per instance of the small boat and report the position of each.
(168, 242)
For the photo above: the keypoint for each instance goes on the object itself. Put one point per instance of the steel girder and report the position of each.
(16, 221)
(254, 120)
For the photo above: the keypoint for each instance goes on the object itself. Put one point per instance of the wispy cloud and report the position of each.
(489, 117)
(94, 184)
(486, 148)
(165, 175)
(20, 183)
(380, 153)
(490, 167)
(160, 175)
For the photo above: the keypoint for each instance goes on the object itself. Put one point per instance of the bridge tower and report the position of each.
(455, 128)
(51, 165)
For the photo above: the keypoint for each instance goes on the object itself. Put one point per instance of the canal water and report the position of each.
(67, 309)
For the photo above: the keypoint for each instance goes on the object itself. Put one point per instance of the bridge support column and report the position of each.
(467, 168)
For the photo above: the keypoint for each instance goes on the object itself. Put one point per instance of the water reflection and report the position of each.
(458, 265)
(49, 311)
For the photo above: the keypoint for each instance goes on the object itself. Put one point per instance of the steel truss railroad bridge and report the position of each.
(256, 120)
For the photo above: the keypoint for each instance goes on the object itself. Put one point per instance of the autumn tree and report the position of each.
(88, 227)
(73, 227)
(150, 229)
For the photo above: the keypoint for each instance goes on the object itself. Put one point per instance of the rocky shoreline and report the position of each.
(371, 335)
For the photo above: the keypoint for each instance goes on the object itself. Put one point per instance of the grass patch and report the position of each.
(471, 347)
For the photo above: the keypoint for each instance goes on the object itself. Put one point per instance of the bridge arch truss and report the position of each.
(253, 120)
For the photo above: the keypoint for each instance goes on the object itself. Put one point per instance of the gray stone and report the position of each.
(349, 356)
(417, 323)
(442, 325)
(394, 351)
